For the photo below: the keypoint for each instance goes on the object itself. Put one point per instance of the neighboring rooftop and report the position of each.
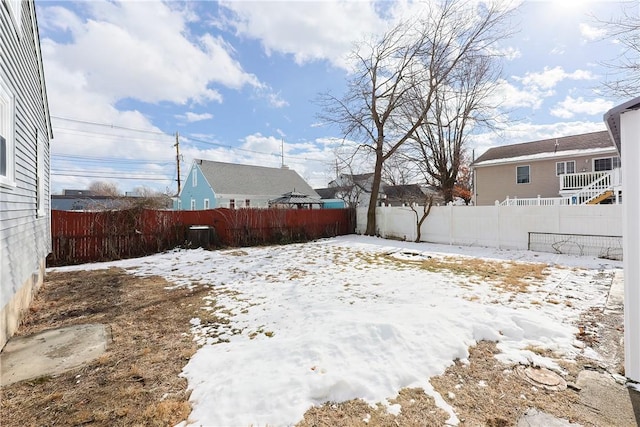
(588, 141)
(231, 178)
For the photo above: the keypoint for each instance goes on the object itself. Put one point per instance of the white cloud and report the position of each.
(194, 117)
(509, 96)
(591, 33)
(571, 107)
(550, 77)
(307, 30)
(141, 50)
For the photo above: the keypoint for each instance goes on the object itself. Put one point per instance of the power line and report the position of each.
(229, 147)
(189, 139)
(109, 125)
(101, 135)
(93, 159)
(140, 178)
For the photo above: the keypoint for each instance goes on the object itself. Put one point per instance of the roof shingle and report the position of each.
(567, 143)
(231, 178)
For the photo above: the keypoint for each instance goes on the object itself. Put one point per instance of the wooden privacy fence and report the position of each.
(79, 237)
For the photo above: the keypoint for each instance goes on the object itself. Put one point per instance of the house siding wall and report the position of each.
(25, 236)
(201, 191)
(497, 182)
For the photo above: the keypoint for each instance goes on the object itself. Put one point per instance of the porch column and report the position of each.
(630, 153)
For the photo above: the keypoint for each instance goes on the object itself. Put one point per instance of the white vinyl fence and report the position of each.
(508, 227)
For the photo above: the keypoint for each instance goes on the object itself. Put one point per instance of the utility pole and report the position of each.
(177, 145)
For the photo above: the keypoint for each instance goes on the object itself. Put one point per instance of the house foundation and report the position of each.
(13, 312)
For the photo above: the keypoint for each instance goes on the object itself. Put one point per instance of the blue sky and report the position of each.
(238, 81)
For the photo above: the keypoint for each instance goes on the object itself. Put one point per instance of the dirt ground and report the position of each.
(137, 383)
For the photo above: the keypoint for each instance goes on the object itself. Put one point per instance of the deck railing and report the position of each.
(537, 201)
(578, 181)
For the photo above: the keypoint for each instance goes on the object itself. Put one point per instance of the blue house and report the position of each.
(211, 185)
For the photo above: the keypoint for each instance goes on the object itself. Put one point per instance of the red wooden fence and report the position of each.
(80, 237)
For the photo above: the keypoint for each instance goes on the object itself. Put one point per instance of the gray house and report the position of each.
(574, 169)
(25, 132)
(211, 185)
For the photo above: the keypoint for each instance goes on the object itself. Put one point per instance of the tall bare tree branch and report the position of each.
(397, 77)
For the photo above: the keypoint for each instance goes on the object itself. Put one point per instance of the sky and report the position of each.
(355, 317)
(239, 82)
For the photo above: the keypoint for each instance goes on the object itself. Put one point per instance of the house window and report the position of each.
(232, 204)
(565, 167)
(193, 204)
(247, 203)
(194, 178)
(179, 204)
(606, 164)
(206, 203)
(7, 136)
(523, 175)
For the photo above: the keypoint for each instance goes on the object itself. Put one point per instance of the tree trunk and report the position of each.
(426, 210)
(447, 189)
(373, 200)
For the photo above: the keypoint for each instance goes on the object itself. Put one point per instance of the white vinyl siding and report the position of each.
(25, 237)
(523, 174)
(15, 11)
(41, 178)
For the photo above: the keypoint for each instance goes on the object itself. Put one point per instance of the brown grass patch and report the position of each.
(488, 393)
(507, 276)
(418, 409)
(136, 382)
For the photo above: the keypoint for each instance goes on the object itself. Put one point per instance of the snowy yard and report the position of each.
(364, 317)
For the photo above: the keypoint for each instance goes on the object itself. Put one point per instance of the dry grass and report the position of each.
(136, 382)
(507, 276)
(486, 392)
(418, 409)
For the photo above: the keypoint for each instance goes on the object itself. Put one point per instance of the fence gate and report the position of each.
(607, 247)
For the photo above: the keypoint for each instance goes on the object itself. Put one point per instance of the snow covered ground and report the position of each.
(357, 316)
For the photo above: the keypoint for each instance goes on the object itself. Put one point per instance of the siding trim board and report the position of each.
(8, 133)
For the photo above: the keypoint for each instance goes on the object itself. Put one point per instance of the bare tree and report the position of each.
(461, 105)
(104, 188)
(409, 62)
(421, 211)
(625, 30)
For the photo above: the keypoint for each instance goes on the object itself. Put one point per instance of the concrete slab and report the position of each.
(612, 403)
(535, 418)
(615, 300)
(51, 352)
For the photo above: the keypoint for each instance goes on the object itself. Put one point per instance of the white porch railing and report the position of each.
(536, 201)
(576, 188)
(594, 189)
(578, 181)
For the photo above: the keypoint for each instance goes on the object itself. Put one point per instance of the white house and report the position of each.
(623, 123)
(25, 131)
